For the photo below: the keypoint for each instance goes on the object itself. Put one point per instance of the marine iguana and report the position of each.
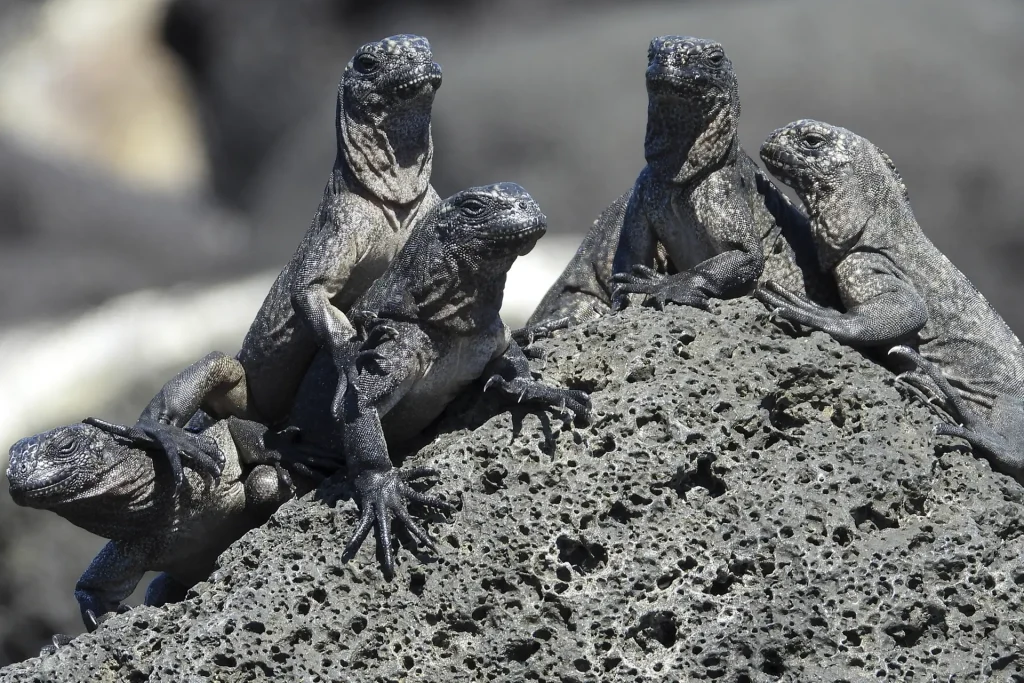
(102, 479)
(433, 330)
(897, 287)
(700, 206)
(378, 189)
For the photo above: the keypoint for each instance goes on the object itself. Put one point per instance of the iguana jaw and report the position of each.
(418, 81)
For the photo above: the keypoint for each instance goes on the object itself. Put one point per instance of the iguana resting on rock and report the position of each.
(102, 479)
(435, 329)
(378, 189)
(701, 205)
(898, 289)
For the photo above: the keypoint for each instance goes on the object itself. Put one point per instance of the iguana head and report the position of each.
(693, 105)
(452, 270)
(491, 224)
(83, 474)
(844, 180)
(384, 106)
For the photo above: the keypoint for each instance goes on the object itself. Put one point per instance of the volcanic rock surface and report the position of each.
(744, 506)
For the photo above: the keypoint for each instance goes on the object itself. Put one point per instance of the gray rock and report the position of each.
(745, 506)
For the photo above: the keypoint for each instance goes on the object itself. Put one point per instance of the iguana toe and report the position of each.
(386, 494)
(58, 641)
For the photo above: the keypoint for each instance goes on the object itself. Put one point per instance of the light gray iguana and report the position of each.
(898, 289)
(378, 190)
(700, 205)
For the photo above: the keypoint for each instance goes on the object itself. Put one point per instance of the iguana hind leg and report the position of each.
(999, 437)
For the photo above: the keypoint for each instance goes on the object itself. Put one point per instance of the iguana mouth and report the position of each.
(679, 85)
(25, 492)
(525, 235)
(417, 79)
(780, 158)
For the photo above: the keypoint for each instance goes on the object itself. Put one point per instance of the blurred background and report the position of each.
(159, 160)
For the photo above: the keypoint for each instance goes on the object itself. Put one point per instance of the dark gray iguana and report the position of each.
(435, 330)
(700, 206)
(378, 189)
(104, 480)
(898, 289)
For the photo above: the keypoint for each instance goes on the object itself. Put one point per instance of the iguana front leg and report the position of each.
(510, 375)
(330, 259)
(883, 319)
(376, 380)
(722, 276)
(110, 578)
(1000, 438)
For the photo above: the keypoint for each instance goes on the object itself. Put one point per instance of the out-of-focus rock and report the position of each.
(72, 236)
(556, 101)
(89, 79)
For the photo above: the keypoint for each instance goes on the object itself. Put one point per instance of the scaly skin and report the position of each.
(701, 221)
(897, 288)
(103, 480)
(434, 329)
(378, 189)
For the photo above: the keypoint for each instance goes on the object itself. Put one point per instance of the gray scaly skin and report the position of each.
(584, 289)
(102, 479)
(720, 221)
(433, 331)
(378, 189)
(897, 288)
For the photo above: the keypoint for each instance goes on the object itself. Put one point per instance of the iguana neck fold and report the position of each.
(390, 154)
(682, 144)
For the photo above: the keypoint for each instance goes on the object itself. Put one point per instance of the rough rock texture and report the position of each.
(744, 506)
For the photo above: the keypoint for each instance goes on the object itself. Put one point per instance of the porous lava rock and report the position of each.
(744, 506)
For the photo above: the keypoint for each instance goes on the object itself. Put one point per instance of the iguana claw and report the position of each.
(528, 390)
(384, 492)
(178, 446)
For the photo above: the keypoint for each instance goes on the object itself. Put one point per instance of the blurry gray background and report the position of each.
(159, 160)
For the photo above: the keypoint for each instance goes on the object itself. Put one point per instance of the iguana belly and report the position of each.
(455, 368)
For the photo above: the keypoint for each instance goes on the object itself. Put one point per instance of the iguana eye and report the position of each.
(813, 141)
(68, 446)
(367, 63)
(473, 207)
(715, 57)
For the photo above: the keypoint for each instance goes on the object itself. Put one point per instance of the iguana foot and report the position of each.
(58, 641)
(794, 307)
(520, 389)
(1003, 455)
(999, 438)
(178, 445)
(525, 336)
(384, 492)
(682, 289)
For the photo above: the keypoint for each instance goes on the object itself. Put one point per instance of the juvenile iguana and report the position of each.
(103, 479)
(898, 289)
(701, 205)
(433, 331)
(378, 189)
